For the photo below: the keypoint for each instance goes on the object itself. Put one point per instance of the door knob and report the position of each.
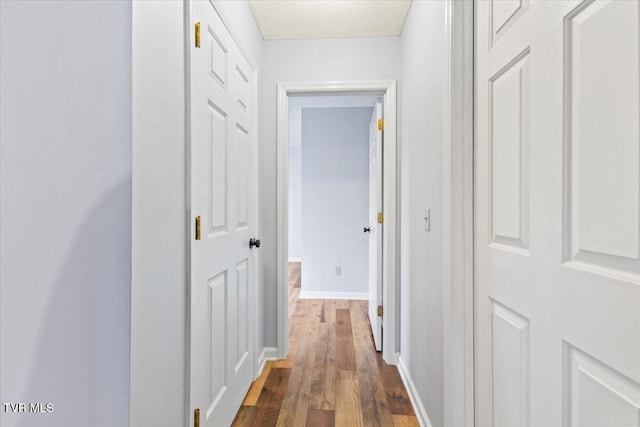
(254, 242)
(367, 229)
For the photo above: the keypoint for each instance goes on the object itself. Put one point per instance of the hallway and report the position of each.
(333, 375)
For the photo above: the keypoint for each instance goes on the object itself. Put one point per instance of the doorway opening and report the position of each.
(335, 194)
(290, 98)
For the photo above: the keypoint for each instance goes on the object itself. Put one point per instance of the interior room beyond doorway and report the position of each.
(329, 152)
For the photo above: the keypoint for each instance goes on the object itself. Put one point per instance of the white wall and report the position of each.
(65, 260)
(160, 225)
(335, 201)
(421, 140)
(159, 258)
(306, 61)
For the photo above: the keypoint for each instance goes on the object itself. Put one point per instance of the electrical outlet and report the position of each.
(427, 219)
(338, 271)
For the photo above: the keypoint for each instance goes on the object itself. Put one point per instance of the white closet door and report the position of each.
(557, 197)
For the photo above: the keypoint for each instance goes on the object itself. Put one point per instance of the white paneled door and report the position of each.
(375, 228)
(557, 222)
(223, 195)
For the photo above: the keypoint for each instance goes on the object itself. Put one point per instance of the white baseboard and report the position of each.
(268, 353)
(418, 407)
(333, 295)
(295, 259)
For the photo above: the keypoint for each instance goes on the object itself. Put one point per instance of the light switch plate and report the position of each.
(427, 219)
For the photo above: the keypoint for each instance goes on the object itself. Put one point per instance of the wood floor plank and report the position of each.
(296, 399)
(370, 416)
(331, 310)
(295, 270)
(375, 406)
(298, 279)
(342, 303)
(245, 416)
(365, 377)
(330, 370)
(254, 392)
(270, 399)
(399, 401)
(348, 409)
(343, 324)
(293, 410)
(331, 376)
(320, 418)
(345, 351)
(323, 375)
(405, 421)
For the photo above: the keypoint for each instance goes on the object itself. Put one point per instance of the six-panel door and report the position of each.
(557, 222)
(223, 193)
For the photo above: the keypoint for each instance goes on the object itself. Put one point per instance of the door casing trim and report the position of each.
(386, 88)
(458, 215)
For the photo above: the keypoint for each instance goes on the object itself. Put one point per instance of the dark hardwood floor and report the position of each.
(332, 377)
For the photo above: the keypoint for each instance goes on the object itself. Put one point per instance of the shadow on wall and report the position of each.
(82, 360)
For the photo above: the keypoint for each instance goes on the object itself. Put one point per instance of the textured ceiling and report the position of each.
(323, 19)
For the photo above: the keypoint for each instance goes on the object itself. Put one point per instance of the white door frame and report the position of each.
(387, 88)
(458, 215)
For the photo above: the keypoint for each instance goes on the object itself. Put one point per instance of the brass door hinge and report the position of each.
(380, 311)
(380, 124)
(196, 417)
(198, 34)
(198, 228)
(380, 217)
